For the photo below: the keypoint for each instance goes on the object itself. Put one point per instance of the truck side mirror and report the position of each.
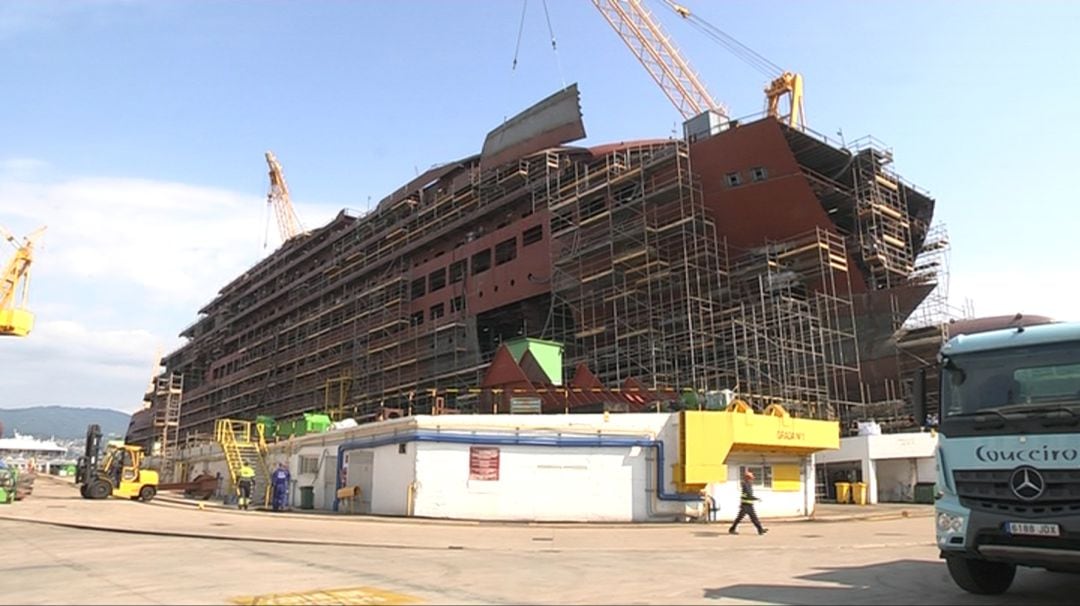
(918, 396)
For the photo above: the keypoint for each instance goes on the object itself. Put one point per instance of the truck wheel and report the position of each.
(99, 490)
(82, 491)
(980, 576)
(146, 493)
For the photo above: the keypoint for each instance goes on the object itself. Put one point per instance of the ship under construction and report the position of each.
(748, 255)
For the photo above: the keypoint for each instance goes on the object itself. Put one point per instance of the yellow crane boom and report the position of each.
(15, 319)
(278, 197)
(653, 48)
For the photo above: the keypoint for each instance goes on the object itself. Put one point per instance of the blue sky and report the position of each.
(135, 130)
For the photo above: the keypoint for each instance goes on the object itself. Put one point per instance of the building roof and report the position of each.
(30, 444)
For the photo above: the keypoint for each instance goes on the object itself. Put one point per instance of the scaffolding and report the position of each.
(636, 269)
(883, 225)
(386, 310)
(791, 326)
(169, 389)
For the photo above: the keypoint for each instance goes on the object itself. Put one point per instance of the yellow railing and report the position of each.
(234, 435)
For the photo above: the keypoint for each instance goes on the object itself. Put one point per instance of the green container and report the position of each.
(316, 422)
(268, 424)
(307, 497)
(924, 493)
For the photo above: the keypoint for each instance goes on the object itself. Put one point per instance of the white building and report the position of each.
(890, 464)
(21, 451)
(577, 467)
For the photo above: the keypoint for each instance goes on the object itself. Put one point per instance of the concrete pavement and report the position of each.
(58, 503)
(249, 557)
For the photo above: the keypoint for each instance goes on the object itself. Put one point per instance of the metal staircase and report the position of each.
(243, 443)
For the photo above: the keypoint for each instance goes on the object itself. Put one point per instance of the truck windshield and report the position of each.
(1017, 379)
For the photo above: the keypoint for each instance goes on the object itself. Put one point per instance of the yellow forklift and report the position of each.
(117, 472)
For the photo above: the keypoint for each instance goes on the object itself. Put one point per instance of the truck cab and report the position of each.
(1008, 455)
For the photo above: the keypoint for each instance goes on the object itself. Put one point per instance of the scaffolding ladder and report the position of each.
(244, 443)
(171, 388)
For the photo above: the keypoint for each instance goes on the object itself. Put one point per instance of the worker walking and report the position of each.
(746, 505)
(245, 483)
(280, 480)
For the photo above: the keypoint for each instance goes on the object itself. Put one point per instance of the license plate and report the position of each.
(1039, 530)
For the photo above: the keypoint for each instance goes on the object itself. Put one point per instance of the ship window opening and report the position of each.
(417, 288)
(416, 319)
(733, 179)
(758, 173)
(496, 288)
(481, 294)
(437, 279)
(481, 261)
(506, 251)
(532, 235)
(457, 271)
(511, 281)
(437, 311)
(457, 303)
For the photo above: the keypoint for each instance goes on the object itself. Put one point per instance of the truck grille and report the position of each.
(988, 489)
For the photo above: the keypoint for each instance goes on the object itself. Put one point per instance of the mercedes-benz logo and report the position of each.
(1027, 483)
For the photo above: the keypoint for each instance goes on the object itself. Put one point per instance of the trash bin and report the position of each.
(924, 493)
(307, 497)
(858, 493)
(843, 492)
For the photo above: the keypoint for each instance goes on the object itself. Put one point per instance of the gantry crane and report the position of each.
(15, 319)
(278, 197)
(654, 49)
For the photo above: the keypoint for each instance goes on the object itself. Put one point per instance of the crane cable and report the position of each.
(521, 28)
(554, 49)
(551, 33)
(740, 50)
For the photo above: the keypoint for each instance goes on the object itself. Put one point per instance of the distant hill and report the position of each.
(62, 422)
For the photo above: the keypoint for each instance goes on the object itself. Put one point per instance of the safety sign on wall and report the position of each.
(483, 463)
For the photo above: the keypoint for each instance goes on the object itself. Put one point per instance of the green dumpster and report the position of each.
(307, 497)
(924, 493)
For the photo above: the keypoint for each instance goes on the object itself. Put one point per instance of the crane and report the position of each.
(653, 48)
(278, 197)
(15, 320)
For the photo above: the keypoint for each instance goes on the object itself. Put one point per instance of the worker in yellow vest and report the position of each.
(244, 484)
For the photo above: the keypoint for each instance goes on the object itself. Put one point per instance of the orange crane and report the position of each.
(15, 320)
(654, 49)
(288, 224)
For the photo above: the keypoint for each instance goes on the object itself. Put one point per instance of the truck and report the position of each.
(1008, 453)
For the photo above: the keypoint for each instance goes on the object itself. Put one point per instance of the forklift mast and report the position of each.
(88, 463)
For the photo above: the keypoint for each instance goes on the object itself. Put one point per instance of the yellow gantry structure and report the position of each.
(707, 437)
(15, 319)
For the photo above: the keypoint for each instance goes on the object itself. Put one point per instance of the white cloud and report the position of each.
(64, 362)
(124, 265)
(177, 242)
